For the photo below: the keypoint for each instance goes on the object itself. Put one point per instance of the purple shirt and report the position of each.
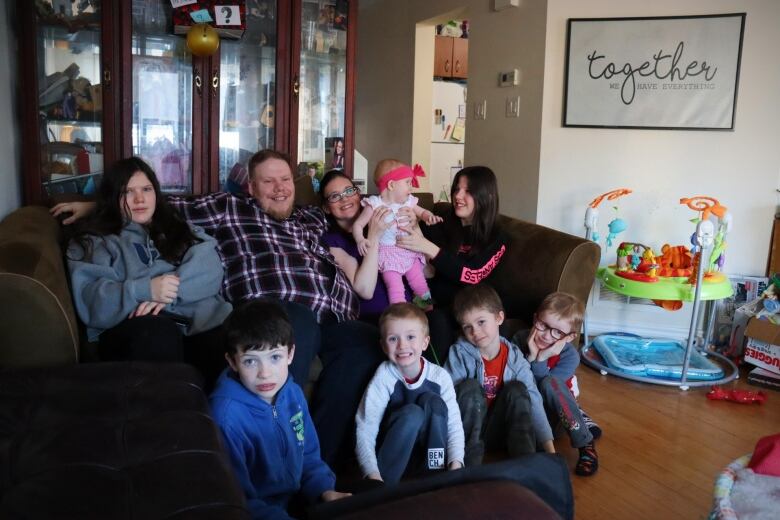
(336, 237)
(264, 257)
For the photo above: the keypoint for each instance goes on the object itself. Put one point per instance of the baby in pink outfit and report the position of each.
(395, 181)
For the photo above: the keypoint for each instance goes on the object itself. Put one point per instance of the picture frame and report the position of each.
(667, 72)
(334, 153)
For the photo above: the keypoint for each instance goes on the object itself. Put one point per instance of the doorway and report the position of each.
(440, 92)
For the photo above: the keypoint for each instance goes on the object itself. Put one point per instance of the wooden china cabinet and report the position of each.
(101, 80)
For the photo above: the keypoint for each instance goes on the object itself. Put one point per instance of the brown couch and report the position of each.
(38, 324)
(38, 328)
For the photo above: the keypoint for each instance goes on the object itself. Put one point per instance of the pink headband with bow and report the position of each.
(402, 172)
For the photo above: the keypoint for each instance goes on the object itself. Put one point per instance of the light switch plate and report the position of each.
(480, 109)
(509, 78)
(500, 5)
(513, 106)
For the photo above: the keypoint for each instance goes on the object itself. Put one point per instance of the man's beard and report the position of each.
(279, 214)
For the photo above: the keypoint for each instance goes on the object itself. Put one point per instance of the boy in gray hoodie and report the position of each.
(495, 388)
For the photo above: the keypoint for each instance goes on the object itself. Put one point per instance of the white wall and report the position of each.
(10, 186)
(741, 168)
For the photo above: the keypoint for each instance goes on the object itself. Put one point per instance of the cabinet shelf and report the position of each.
(89, 21)
(75, 122)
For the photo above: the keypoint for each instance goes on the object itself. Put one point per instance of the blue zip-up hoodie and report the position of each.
(274, 448)
(116, 278)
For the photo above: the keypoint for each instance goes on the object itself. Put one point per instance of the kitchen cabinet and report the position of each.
(451, 57)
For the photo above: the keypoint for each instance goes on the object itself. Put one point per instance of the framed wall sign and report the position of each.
(675, 72)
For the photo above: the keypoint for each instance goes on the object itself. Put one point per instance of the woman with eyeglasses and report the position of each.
(341, 202)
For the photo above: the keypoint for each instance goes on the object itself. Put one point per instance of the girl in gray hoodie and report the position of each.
(144, 282)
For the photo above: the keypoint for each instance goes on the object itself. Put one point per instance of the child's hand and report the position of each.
(432, 219)
(332, 494)
(455, 465)
(363, 246)
(165, 288)
(553, 350)
(77, 210)
(145, 308)
(533, 348)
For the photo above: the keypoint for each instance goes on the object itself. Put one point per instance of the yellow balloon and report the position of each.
(202, 40)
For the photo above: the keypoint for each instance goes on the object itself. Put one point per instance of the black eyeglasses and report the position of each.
(349, 192)
(555, 333)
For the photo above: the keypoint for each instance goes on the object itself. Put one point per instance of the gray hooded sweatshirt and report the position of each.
(116, 277)
(465, 362)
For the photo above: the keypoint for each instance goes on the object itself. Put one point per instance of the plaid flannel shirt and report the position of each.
(264, 257)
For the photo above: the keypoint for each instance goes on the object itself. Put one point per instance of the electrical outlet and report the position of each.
(513, 106)
(480, 109)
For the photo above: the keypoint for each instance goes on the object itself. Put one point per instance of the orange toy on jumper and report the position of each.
(674, 261)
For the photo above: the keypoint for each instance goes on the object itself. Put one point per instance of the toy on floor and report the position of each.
(668, 279)
(653, 357)
(738, 396)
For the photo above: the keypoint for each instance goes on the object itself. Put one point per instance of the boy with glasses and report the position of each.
(499, 403)
(553, 358)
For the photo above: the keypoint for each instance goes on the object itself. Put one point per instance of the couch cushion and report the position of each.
(112, 440)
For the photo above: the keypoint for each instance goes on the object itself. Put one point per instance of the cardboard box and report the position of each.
(765, 378)
(763, 345)
(731, 316)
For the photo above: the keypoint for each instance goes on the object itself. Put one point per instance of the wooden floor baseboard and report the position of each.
(662, 447)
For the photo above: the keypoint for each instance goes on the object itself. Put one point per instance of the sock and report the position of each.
(594, 428)
(588, 462)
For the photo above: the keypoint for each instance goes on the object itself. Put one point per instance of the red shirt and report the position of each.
(494, 373)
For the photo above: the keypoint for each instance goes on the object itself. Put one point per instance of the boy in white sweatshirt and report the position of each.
(408, 421)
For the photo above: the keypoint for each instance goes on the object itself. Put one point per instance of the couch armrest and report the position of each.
(541, 260)
(38, 322)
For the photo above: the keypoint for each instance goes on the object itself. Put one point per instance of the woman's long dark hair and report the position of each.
(172, 236)
(483, 187)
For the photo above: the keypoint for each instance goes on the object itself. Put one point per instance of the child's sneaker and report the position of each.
(588, 462)
(594, 428)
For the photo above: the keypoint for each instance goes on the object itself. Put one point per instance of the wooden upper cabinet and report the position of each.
(450, 58)
(442, 57)
(460, 58)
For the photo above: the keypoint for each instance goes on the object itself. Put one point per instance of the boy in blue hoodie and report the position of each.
(263, 415)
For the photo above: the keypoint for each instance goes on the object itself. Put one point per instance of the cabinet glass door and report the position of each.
(69, 95)
(162, 86)
(247, 104)
(322, 89)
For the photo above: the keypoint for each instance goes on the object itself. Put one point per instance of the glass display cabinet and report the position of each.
(111, 79)
(65, 96)
(320, 85)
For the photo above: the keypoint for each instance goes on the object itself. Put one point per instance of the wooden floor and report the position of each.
(661, 448)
